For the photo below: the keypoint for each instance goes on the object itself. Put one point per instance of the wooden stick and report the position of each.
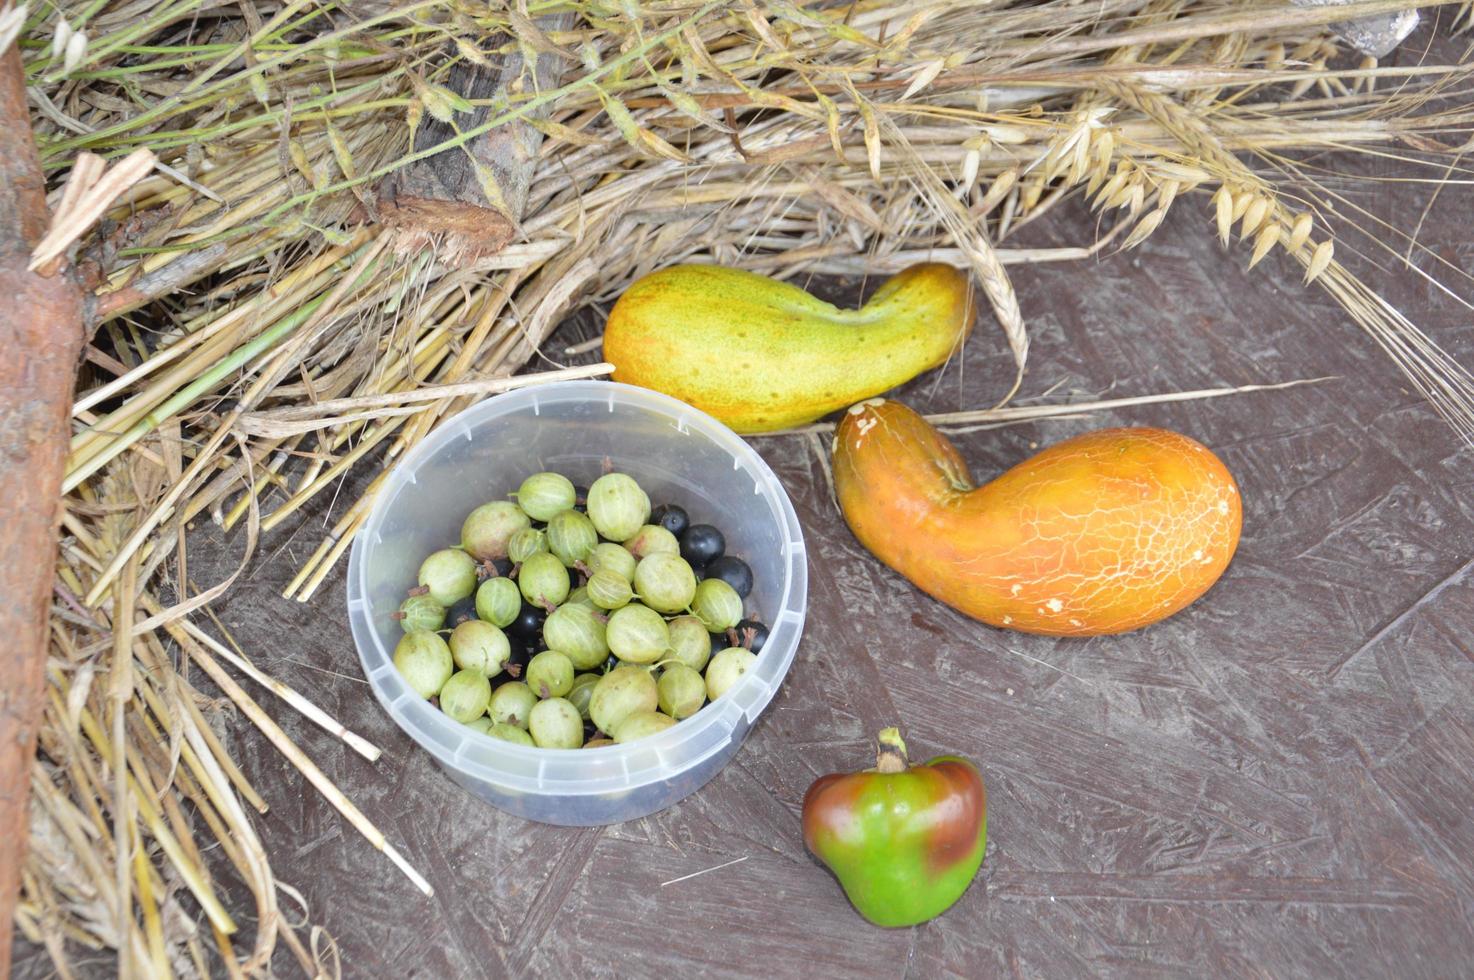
(41, 334)
(467, 203)
(151, 285)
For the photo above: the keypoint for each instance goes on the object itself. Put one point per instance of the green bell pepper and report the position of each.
(904, 841)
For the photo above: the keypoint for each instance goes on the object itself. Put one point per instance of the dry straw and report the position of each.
(257, 340)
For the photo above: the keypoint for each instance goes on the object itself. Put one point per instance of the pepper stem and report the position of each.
(890, 751)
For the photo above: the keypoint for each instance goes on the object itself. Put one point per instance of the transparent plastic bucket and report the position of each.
(679, 455)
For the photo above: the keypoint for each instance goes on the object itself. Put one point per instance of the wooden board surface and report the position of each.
(1277, 782)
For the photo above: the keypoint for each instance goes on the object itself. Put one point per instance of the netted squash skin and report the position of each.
(1107, 532)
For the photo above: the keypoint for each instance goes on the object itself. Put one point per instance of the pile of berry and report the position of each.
(578, 619)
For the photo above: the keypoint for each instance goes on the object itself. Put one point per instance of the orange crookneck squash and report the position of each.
(1103, 533)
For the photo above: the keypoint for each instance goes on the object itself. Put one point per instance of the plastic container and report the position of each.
(680, 455)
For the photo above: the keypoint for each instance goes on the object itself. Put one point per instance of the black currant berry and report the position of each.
(702, 543)
(759, 635)
(733, 571)
(460, 612)
(672, 518)
(529, 621)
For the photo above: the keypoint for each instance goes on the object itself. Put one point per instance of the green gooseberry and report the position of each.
(543, 580)
(465, 695)
(617, 506)
(726, 669)
(610, 557)
(489, 527)
(597, 743)
(608, 590)
(549, 674)
(482, 724)
(717, 605)
(576, 631)
(637, 634)
(571, 536)
(666, 583)
(640, 724)
(423, 660)
(498, 601)
(681, 691)
(652, 539)
(580, 597)
(544, 494)
(556, 724)
(479, 645)
(583, 688)
(449, 574)
(510, 733)
(690, 643)
(525, 543)
(620, 693)
(511, 703)
(420, 612)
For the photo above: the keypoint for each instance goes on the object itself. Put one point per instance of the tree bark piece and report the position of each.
(41, 335)
(440, 201)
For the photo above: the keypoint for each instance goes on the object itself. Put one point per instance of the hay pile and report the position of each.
(260, 331)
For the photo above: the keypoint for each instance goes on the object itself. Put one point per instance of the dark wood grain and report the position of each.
(1278, 782)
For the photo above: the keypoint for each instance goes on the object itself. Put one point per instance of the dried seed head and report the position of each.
(1080, 161)
(76, 48)
(1319, 260)
(1144, 228)
(1111, 189)
(1269, 236)
(1241, 202)
(1300, 231)
(1223, 204)
(1138, 197)
(1000, 133)
(1167, 193)
(1120, 197)
(998, 190)
(970, 169)
(1103, 147)
(1254, 215)
(60, 38)
(1189, 177)
(1033, 189)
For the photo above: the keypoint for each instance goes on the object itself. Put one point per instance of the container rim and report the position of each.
(623, 767)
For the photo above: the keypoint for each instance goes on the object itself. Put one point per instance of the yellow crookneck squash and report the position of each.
(760, 354)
